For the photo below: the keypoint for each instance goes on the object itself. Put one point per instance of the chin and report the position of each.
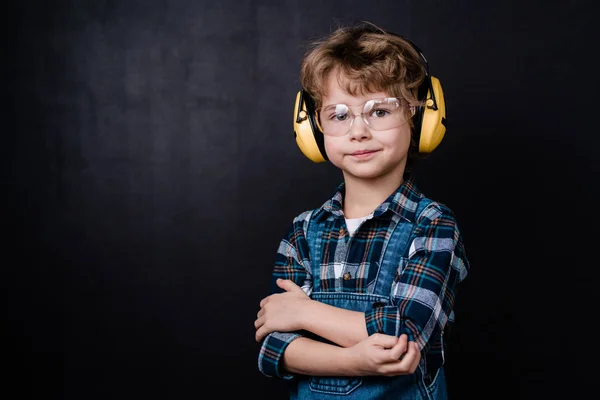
(371, 171)
(366, 173)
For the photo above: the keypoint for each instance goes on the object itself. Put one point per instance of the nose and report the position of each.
(359, 130)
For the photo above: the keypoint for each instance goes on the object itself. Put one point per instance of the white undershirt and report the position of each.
(352, 224)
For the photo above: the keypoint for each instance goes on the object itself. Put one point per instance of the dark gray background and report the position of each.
(151, 172)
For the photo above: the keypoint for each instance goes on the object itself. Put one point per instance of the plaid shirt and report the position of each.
(422, 295)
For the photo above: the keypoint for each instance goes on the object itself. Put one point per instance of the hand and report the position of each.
(380, 354)
(282, 311)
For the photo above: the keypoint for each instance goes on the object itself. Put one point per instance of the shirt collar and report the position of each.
(403, 202)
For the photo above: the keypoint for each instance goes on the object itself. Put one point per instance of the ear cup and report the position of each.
(433, 121)
(308, 136)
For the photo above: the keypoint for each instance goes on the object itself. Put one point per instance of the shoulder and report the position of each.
(303, 217)
(299, 223)
(432, 210)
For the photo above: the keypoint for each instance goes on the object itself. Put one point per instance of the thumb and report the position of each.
(288, 285)
(385, 341)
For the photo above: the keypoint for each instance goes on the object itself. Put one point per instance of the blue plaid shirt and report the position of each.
(422, 294)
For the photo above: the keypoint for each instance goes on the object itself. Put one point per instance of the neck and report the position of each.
(363, 196)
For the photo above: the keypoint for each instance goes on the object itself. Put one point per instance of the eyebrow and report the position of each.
(334, 105)
(384, 100)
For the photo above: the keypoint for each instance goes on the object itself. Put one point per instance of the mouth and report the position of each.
(362, 154)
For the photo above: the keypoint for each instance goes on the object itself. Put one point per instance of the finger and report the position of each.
(399, 348)
(264, 301)
(260, 313)
(410, 359)
(415, 364)
(259, 322)
(401, 367)
(260, 334)
(406, 366)
(404, 339)
(385, 341)
(288, 285)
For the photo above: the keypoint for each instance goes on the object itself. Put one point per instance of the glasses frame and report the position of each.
(363, 116)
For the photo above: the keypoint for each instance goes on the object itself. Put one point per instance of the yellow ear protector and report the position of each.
(429, 120)
(309, 136)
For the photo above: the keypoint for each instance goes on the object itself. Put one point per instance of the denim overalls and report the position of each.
(412, 386)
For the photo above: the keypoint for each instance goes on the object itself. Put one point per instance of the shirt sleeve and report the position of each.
(423, 292)
(292, 262)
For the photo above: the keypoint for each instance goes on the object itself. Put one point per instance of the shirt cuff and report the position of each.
(271, 352)
(384, 319)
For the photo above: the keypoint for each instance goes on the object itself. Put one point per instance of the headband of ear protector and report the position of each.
(429, 120)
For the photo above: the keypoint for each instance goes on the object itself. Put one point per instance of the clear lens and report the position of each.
(378, 114)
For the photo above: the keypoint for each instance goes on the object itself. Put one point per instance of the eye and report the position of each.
(379, 113)
(340, 117)
(339, 113)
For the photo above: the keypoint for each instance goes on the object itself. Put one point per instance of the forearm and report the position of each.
(310, 357)
(341, 326)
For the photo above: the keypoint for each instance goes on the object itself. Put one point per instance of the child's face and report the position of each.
(364, 153)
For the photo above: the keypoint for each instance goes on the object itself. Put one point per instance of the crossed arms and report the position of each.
(356, 354)
(383, 341)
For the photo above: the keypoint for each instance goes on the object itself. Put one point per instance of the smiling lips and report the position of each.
(363, 153)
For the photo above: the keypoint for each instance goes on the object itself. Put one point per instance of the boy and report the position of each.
(367, 281)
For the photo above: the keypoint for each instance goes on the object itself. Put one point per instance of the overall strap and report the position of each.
(396, 249)
(311, 231)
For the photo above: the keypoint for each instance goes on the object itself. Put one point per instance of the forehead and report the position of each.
(341, 89)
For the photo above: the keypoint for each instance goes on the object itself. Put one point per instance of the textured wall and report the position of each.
(149, 156)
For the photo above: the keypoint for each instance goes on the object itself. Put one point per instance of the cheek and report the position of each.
(397, 140)
(404, 137)
(331, 148)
